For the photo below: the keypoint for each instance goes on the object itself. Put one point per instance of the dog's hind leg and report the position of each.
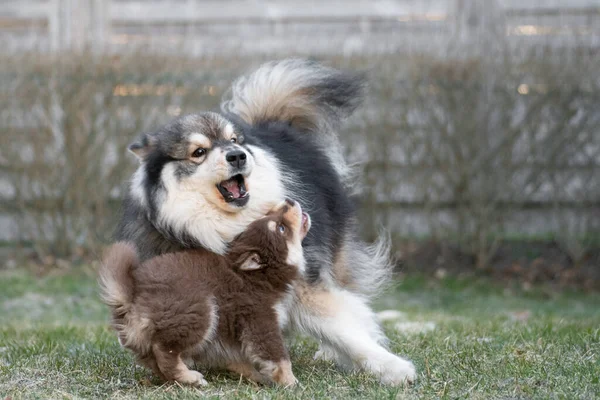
(174, 369)
(344, 322)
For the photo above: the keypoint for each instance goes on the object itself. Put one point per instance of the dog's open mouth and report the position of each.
(234, 191)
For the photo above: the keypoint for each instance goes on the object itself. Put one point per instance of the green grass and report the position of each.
(488, 342)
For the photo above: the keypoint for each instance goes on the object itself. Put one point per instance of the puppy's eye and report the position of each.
(199, 152)
(233, 140)
(281, 228)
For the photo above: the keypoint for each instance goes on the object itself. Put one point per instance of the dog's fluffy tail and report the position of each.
(116, 281)
(309, 96)
(306, 94)
(372, 266)
(364, 268)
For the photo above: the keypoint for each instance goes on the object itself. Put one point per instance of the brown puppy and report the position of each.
(225, 311)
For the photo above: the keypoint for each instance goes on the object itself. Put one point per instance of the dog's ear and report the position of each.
(142, 147)
(251, 262)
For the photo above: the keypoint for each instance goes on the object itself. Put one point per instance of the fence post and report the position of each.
(79, 24)
(101, 24)
(54, 24)
(478, 27)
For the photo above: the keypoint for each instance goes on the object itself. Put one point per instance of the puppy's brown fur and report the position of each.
(225, 311)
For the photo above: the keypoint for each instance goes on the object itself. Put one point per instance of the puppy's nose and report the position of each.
(237, 158)
(290, 202)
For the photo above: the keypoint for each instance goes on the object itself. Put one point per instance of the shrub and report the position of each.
(472, 145)
(457, 149)
(67, 121)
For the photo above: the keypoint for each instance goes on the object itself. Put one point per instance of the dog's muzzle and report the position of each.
(236, 158)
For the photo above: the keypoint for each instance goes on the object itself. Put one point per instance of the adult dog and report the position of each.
(205, 177)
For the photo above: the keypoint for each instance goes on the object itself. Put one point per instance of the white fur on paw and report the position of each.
(397, 371)
(193, 378)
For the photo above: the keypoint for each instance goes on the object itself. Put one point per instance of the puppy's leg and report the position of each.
(149, 361)
(264, 347)
(346, 324)
(182, 325)
(173, 368)
(280, 372)
(248, 371)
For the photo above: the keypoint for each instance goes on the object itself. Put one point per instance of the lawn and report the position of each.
(469, 338)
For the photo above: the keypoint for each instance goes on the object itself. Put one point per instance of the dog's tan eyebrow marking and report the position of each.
(272, 225)
(228, 131)
(199, 140)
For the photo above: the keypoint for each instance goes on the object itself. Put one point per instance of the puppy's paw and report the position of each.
(192, 378)
(289, 381)
(397, 371)
(282, 374)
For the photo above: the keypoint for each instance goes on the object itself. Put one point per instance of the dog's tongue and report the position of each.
(232, 186)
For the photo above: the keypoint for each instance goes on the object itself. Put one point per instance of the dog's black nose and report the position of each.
(237, 158)
(290, 202)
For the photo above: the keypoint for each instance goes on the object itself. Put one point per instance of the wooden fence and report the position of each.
(338, 25)
(233, 27)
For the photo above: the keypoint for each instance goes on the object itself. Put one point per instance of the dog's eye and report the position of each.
(199, 152)
(281, 228)
(233, 140)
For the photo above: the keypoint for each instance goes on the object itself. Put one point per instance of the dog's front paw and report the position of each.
(192, 378)
(397, 371)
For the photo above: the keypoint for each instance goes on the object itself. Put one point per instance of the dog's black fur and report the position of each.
(324, 196)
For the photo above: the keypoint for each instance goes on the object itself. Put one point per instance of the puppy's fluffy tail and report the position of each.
(116, 282)
(309, 96)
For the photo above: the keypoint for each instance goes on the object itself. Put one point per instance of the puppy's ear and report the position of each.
(143, 147)
(251, 262)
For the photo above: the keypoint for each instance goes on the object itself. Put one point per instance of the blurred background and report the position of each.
(478, 146)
